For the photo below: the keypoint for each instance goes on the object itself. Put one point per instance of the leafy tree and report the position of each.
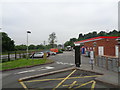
(21, 47)
(52, 39)
(102, 33)
(7, 43)
(31, 47)
(40, 47)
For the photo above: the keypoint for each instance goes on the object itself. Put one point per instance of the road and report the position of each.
(62, 61)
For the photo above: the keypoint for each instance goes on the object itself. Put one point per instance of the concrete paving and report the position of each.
(108, 76)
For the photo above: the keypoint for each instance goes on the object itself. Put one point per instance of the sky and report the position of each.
(67, 18)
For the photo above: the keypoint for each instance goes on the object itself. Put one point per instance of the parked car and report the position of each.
(52, 53)
(38, 55)
(48, 52)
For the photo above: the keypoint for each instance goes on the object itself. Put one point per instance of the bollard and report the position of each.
(45, 56)
(8, 56)
(19, 55)
(77, 56)
(15, 55)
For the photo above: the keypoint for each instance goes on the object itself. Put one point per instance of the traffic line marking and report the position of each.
(69, 85)
(72, 84)
(92, 87)
(24, 86)
(37, 69)
(64, 63)
(64, 79)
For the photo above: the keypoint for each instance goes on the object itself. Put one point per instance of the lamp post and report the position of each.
(94, 44)
(27, 42)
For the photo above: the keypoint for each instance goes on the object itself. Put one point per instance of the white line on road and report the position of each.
(37, 69)
(64, 63)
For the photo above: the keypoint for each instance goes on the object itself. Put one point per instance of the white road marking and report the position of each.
(48, 67)
(25, 71)
(64, 63)
(37, 69)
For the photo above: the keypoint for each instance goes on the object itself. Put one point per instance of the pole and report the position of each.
(27, 45)
(77, 56)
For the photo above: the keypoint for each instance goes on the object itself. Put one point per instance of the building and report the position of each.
(103, 45)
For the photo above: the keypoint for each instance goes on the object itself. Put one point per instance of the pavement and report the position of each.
(109, 77)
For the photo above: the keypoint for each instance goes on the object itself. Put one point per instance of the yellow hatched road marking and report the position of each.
(92, 81)
(72, 84)
(68, 85)
(24, 86)
(93, 85)
(62, 78)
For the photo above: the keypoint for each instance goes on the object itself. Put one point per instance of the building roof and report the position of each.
(95, 39)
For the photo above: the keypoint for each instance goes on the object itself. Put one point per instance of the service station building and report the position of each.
(103, 45)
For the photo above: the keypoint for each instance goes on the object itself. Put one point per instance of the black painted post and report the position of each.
(15, 55)
(19, 55)
(8, 56)
(77, 56)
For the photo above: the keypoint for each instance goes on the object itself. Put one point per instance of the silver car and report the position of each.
(52, 53)
(38, 55)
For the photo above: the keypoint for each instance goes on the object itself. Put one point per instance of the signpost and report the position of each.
(91, 59)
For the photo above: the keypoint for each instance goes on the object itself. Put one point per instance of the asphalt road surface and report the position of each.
(62, 61)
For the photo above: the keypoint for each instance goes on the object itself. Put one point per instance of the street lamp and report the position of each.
(27, 42)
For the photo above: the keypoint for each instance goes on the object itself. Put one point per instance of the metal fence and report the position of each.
(107, 62)
(14, 56)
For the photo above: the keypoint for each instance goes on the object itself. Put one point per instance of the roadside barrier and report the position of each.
(108, 62)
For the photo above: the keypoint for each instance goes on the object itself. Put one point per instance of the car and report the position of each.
(38, 55)
(52, 53)
(48, 52)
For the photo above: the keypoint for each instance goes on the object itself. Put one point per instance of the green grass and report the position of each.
(23, 63)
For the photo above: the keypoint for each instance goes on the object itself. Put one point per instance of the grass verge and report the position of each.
(23, 63)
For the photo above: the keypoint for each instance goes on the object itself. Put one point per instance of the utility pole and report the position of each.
(27, 42)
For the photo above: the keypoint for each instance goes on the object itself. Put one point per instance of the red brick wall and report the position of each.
(108, 44)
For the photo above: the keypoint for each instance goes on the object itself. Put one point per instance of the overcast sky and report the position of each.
(67, 18)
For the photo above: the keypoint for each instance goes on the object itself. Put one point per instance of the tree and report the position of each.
(21, 47)
(102, 33)
(7, 43)
(40, 47)
(52, 39)
(32, 47)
